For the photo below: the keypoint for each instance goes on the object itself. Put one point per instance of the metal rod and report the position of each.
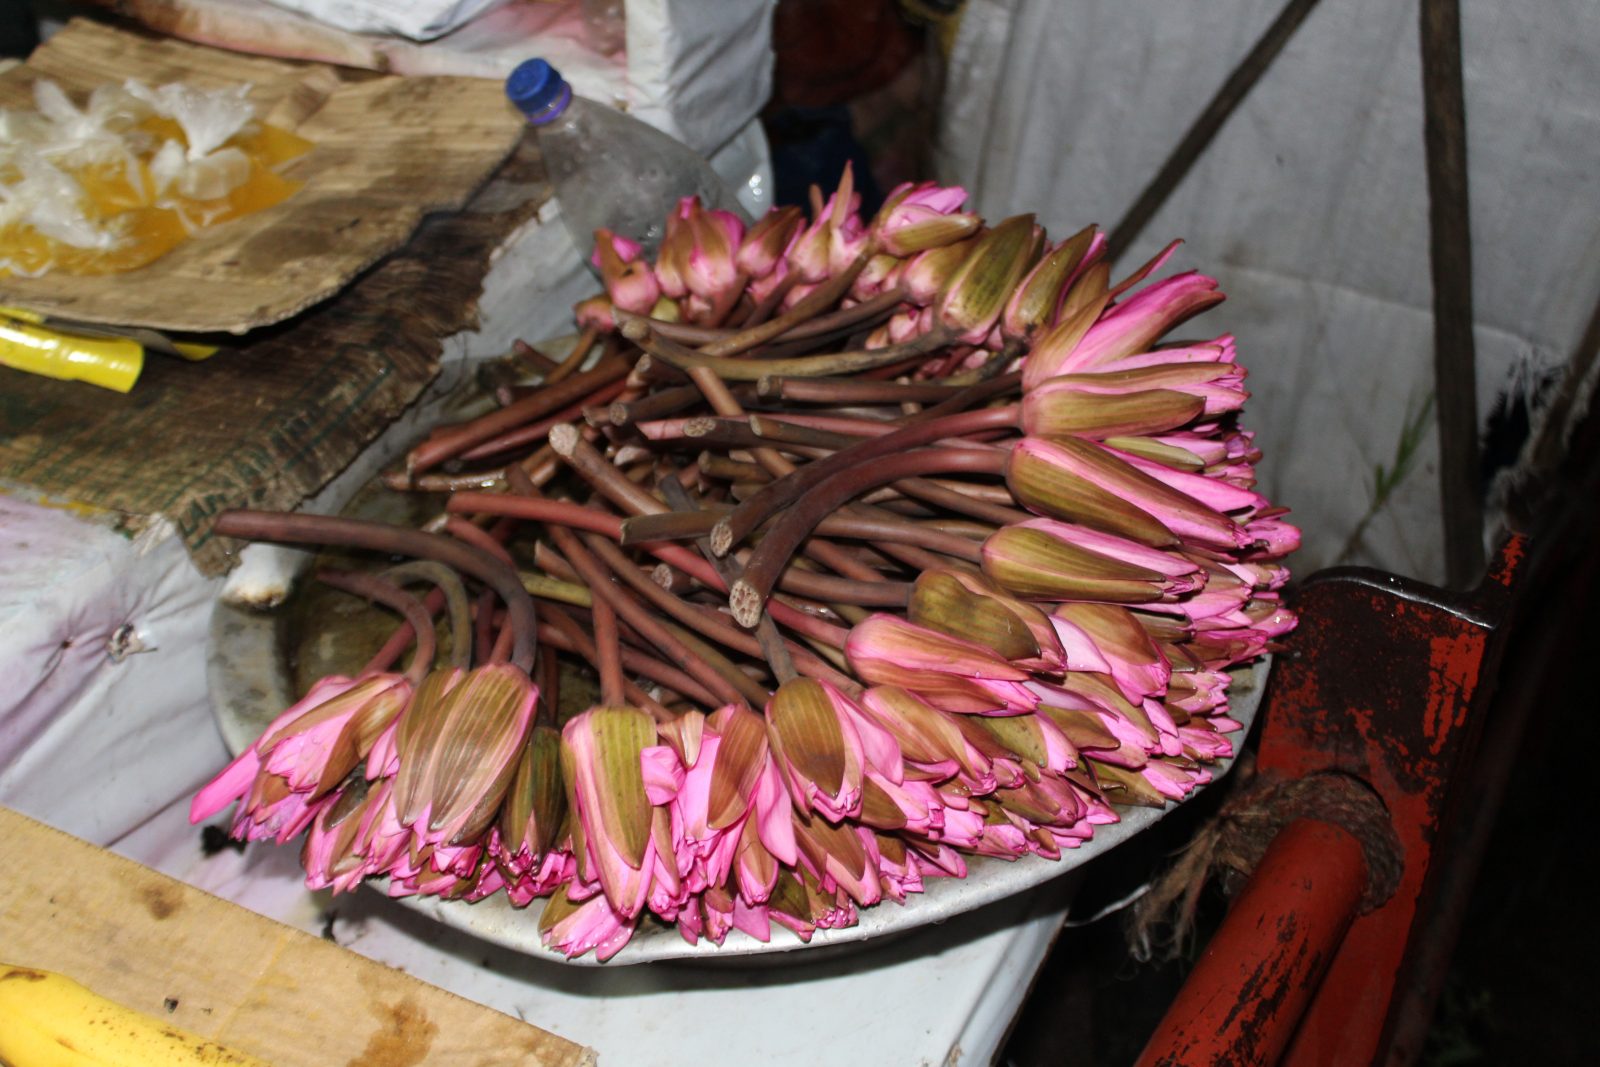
(1240, 1005)
(1444, 129)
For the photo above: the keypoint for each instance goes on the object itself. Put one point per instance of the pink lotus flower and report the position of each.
(916, 218)
(592, 925)
(1110, 640)
(303, 755)
(762, 249)
(835, 237)
(1044, 559)
(458, 745)
(969, 606)
(1134, 324)
(629, 281)
(1214, 493)
(600, 761)
(930, 740)
(1079, 481)
(946, 671)
(697, 259)
(819, 751)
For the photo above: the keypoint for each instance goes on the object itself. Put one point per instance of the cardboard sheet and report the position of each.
(387, 151)
(154, 944)
(268, 421)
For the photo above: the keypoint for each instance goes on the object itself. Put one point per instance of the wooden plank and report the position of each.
(1450, 250)
(209, 966)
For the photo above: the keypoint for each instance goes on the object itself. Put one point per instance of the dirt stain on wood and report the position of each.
(161, 901)
(403, 1038)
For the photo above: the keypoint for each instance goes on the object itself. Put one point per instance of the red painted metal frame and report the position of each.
(1386, 680)
(1265, 964)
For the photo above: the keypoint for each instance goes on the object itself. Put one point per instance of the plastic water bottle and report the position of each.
(609, 169)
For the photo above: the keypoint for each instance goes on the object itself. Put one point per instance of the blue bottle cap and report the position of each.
(538, 90)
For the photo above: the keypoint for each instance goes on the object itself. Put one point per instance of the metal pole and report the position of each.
(1240, 1006)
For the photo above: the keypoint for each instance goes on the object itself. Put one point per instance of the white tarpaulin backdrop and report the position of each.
(1310, 206)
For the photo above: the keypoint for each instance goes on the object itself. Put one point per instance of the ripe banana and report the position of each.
(49, 1020)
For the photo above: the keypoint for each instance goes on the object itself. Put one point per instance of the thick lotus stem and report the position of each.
(294, 528)
(783, 492)
(841, 391)
(608, 650)
(750, 592)
(527, 435)
(459, 439)
(821, 587)
(717, 677)
(563, 633)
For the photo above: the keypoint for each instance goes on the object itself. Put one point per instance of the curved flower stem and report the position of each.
(483, 627)
(295, 528)
(452, 594)
(724, 403)
(382, 591)
(459, 439)
(749, 594)
(759, 508)
(753, 370)
(931, 492)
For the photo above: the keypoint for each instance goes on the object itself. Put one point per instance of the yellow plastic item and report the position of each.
(49, 1020)
(109, 362)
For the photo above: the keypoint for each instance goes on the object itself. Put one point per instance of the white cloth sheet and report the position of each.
(1310, 207)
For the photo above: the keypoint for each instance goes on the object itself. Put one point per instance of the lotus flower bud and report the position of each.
(972, 300)
(968, 606)
(1133, 325)
(1064, 406)
(948, 672)
(628, 279)
(1046, 560)
(459, 744)
(1079, 481)
(817, 747)
(927, 273)
(600, 761)
(1111, 638)
(764, 246)
(1034, 304)
(915, 218)
(536, 800)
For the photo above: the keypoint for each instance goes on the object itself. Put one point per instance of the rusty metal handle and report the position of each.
(1249, 989)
